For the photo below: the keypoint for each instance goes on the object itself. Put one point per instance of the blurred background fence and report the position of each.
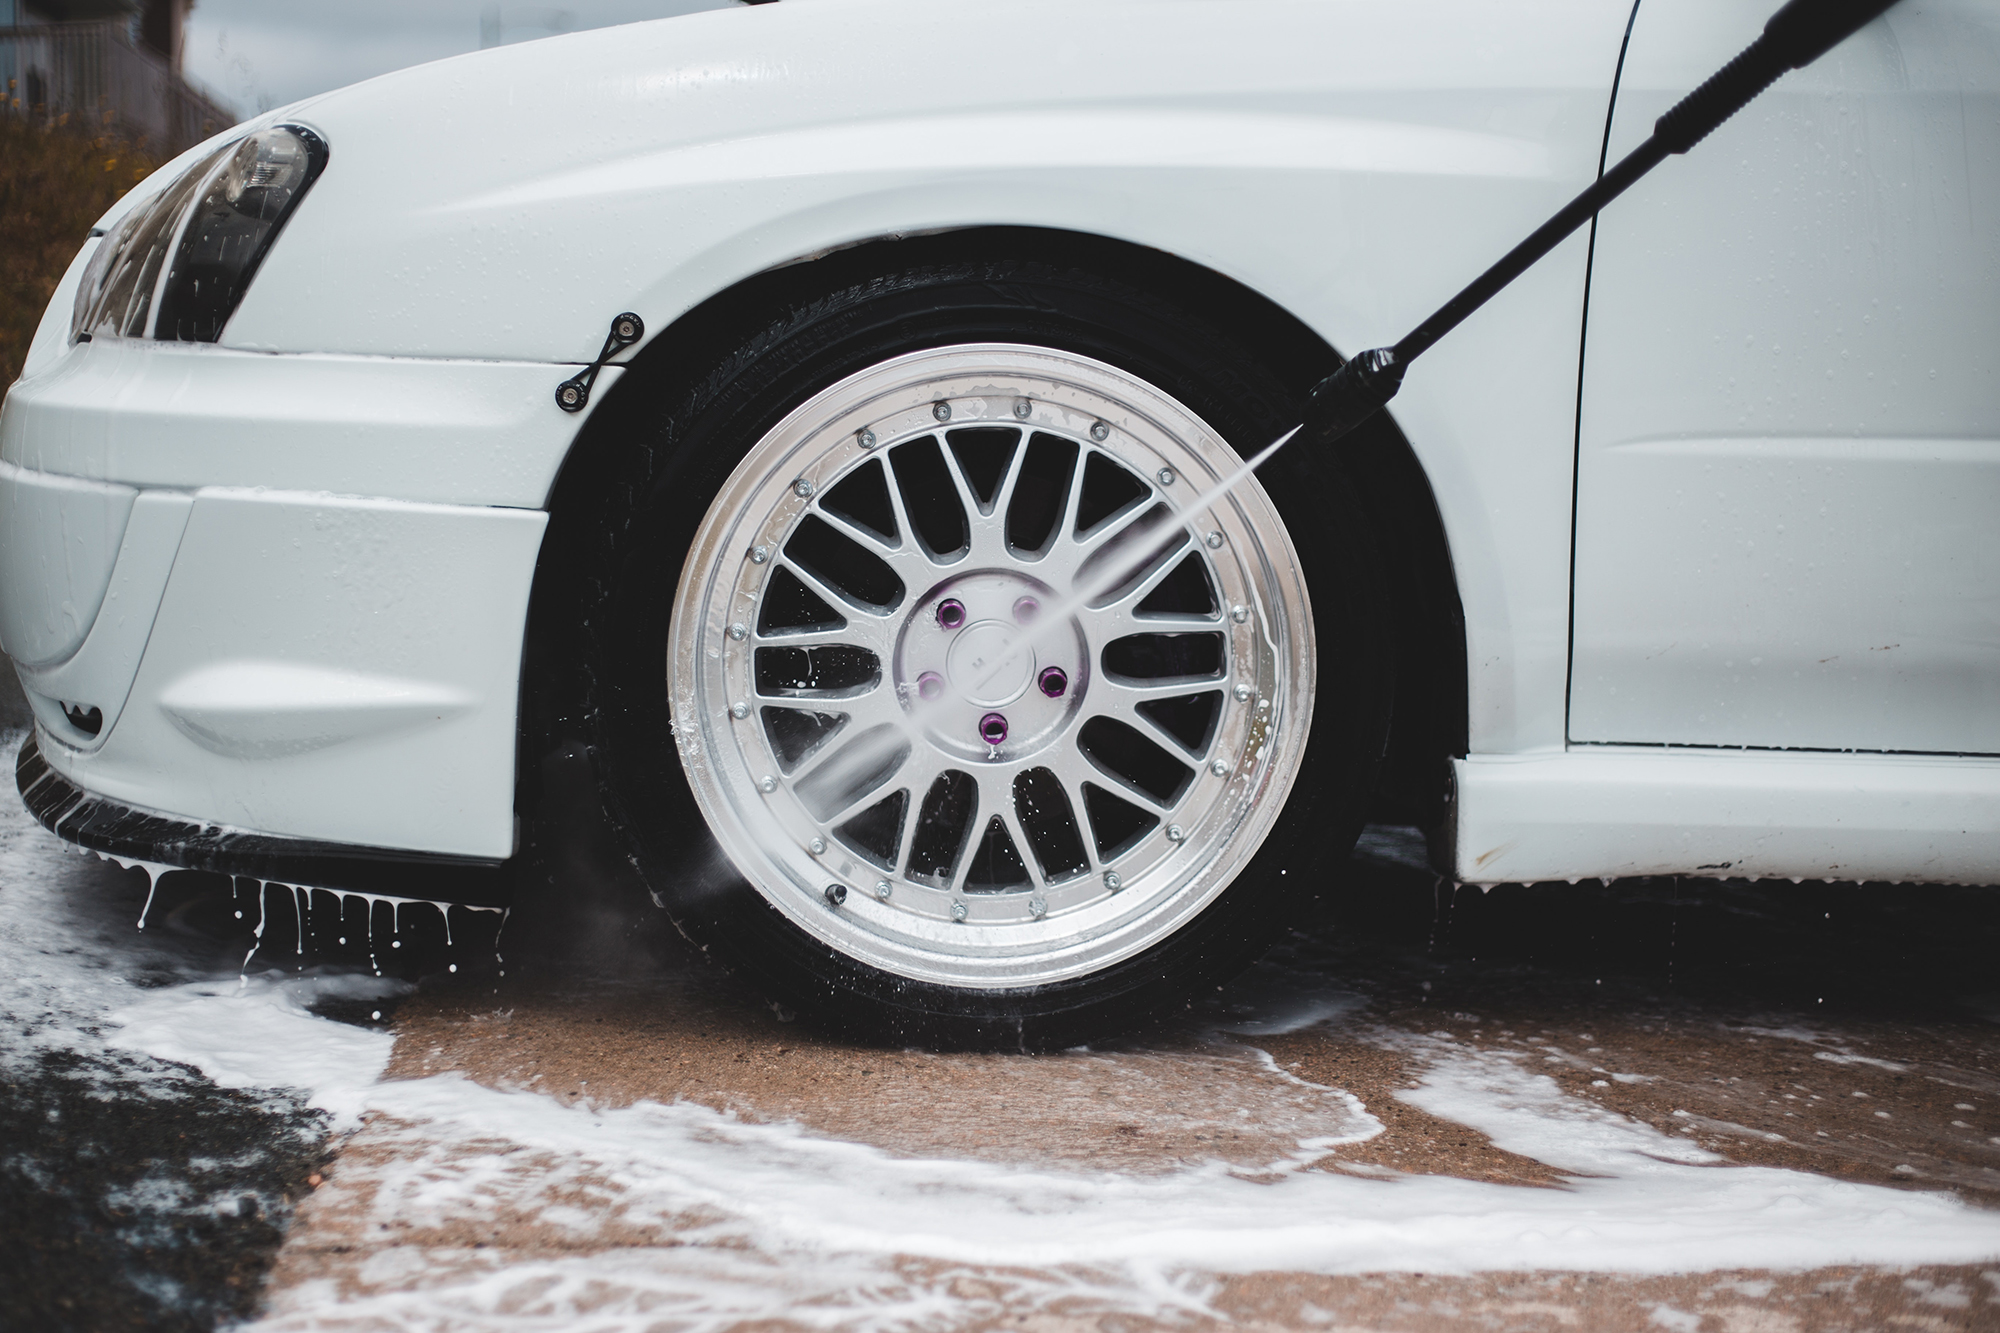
(92, 99)
(118, 74)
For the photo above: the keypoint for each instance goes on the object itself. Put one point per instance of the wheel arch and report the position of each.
(1429, 721)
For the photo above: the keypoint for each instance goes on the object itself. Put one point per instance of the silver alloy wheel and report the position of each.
(919, 721)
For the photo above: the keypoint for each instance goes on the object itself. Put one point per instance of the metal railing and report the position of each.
(90, 77)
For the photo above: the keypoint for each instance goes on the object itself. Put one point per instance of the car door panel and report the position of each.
(1789, 435)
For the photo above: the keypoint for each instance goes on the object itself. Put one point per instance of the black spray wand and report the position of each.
(1797, 35)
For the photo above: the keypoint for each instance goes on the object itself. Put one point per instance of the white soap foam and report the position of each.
(77, 974)
(256, 1032)
(752, 1221)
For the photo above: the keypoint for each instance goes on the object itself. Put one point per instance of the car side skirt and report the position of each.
(164, 842)
(1614, 811)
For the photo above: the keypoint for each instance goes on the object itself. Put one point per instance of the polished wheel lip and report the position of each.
(1052, 931)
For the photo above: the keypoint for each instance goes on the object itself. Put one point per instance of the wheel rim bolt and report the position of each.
(759, 554)
(1113, 880)
(767, 784)
(1239, 614)
(867, 439)
(993, 728)
(1100, 432)
(1175, 833)
(1026, 609)
(739, 711)
(1022, 408)
(942, 411)
(958, 911)
(803, 488)
(1220, 768)
(1038, 907)
(1166, 476)
(882, 889)
(1215, 541)
(951, 613)
(1242, 693)
(1053, 681)
(818, 846)
(739, 631)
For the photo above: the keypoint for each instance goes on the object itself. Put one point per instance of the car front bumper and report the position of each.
(292, 588)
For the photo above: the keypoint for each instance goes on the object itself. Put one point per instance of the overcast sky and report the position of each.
(263, 53)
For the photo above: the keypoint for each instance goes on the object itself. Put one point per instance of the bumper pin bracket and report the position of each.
(574, 393)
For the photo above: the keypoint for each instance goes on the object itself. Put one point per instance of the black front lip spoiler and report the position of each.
(104, 825)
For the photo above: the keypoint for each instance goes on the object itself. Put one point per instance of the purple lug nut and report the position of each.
(1053, 682)
(993, 728)
(930, 685)
(951, 613)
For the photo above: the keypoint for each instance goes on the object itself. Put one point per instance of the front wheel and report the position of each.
(1010, 728)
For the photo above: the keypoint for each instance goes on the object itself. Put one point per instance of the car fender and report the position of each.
(1354, 163)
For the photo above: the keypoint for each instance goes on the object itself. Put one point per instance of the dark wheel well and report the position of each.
(1429, 719)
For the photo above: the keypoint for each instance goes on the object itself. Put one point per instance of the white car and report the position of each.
(324, 537)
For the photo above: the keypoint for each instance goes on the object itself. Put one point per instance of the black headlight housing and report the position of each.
(176, 268)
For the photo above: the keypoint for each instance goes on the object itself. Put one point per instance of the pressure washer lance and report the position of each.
(1797, 35)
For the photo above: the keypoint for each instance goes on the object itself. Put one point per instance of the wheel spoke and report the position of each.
(1072, 778)
(1111, 696)
(865, 712)
(993, 799)
(1066, 523)
(985, 539)
(1118, 544)
(919, 772)
(852, 771)
(906, 557)
(1159, 574)
(1004, 496)
(812, 638)
(865, 799)
(1010, 819)
(868, 537)
(1126, 789)
(1106, 624)
(846, 698)
(1123, 705)
(904, 528)
(975, 830)
(871, 628)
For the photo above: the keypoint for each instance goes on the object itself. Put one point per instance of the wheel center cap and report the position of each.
(988, 665)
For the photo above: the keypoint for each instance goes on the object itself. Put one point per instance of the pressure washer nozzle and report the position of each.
(1352, 394)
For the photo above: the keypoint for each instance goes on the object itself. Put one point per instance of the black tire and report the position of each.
(658, 454)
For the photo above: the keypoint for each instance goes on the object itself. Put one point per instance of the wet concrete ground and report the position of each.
(142, 1198)
(1840, 1030)
(1847, 1031)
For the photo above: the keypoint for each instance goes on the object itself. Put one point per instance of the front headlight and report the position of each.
(215, 223)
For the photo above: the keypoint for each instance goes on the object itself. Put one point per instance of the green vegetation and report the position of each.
(54, 183)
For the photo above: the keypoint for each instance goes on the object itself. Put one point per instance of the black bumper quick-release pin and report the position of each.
(573, 393)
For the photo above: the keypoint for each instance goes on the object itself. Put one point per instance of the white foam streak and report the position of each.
(256, 1032)
(719, 1220)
